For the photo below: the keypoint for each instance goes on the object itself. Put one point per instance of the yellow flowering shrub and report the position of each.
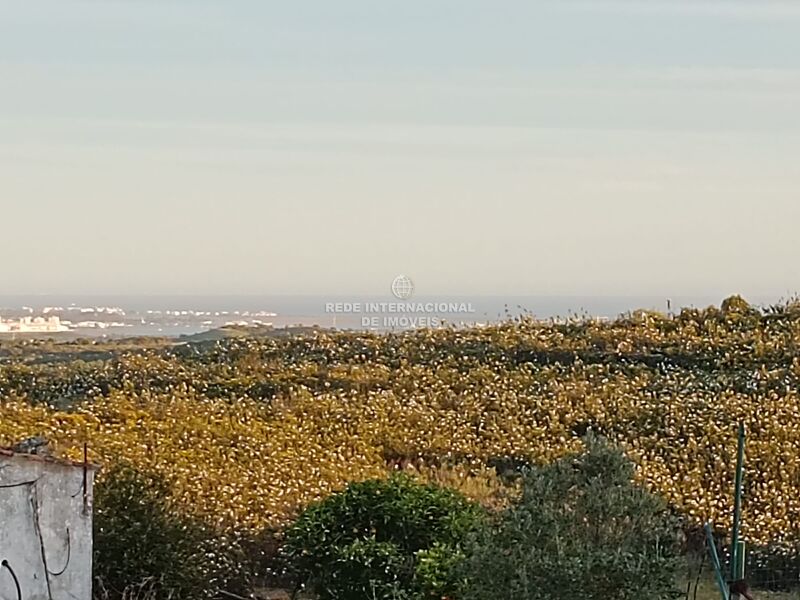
(248, 431)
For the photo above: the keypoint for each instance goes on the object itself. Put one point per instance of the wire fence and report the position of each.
(771, 574)
(773, 580)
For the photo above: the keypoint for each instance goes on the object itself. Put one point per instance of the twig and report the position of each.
(232, 595)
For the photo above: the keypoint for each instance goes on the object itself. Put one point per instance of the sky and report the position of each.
(479, 147)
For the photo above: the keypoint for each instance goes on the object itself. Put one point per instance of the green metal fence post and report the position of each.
(722, 584)
(737, 504)
(741, 554)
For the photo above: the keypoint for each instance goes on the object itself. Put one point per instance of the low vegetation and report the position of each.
(245, 434)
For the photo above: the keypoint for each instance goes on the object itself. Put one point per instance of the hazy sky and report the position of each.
(515, 147)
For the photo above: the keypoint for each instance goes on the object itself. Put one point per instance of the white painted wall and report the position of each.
(45, 529)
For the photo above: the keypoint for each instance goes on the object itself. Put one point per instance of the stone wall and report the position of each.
(45, 529)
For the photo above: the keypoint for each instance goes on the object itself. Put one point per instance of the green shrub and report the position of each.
(382, 539)
(581, 530)
(141, 541)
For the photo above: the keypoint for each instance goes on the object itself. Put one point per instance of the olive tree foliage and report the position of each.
(582, 529)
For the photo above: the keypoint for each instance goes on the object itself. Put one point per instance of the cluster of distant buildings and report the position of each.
(51, 322)
(33, 325)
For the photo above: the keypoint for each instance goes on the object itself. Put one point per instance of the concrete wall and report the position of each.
(45, 529)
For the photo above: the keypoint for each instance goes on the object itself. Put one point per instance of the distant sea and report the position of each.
(149, 315)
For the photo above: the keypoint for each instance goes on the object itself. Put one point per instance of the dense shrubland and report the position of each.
(245, 433)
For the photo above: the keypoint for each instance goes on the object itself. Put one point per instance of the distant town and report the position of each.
(93, 321)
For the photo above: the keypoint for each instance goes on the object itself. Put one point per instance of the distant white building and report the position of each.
(33, 325)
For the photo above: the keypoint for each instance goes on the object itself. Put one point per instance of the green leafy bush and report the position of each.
(140, 541)
(581, 530)
(382, 539)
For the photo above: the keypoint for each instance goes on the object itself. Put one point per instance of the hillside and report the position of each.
(247, 431)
